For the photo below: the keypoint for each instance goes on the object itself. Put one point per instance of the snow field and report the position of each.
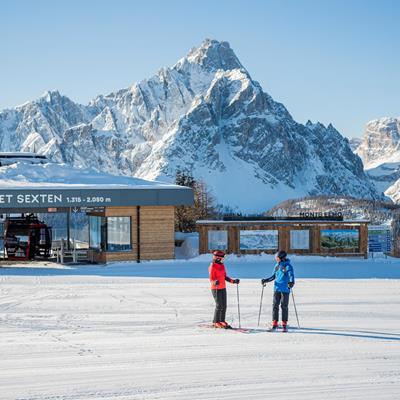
(113, 337)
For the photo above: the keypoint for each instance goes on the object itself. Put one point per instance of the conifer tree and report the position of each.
(203, 208)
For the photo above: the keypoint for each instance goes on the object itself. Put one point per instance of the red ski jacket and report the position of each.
(217, 273)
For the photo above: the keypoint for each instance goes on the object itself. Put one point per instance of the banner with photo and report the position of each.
(339, 238)
(259, 240)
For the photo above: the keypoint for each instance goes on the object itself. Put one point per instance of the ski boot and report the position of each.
(284, 326)
(273, 327)
(218, 325)
(225, 325)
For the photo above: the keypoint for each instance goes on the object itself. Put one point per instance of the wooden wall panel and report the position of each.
(97, 257)
(233, 239)
(121, 256)
(157, 232)
(364, 240)
(284, 234)
(203, 239)
(316, 240)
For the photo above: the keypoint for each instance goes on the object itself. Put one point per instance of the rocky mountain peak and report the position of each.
(385, 128)
(51, 96)
(379, 149)
(315, 125)
(380, 142)
(213, 55)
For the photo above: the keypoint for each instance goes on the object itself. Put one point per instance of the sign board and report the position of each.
(94, 197)
(300, 239)
(334, 215)
(88, 209)
(217, 240)
(53, 198)
(379, 239)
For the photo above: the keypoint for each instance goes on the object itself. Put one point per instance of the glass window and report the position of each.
(58, 223)
(119, 234)
(217, 240)
(259, 240)
(339, 238)
(300, 239)
(95, 232)
(79, 229)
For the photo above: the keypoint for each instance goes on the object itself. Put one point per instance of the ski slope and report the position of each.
(127, 332)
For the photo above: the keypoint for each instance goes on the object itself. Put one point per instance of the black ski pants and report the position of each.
(282, 299)
(220, 304)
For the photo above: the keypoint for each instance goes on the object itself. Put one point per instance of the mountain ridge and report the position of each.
(205, 115)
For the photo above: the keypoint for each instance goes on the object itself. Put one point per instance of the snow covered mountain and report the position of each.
(204, 115)
(380, 143)
(380, 152)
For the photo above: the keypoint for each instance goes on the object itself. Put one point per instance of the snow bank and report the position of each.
(246, 267)
(190, 246)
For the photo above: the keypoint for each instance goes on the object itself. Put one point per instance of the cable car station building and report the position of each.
(114, 222)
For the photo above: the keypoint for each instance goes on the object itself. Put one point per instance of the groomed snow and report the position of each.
(129, 331)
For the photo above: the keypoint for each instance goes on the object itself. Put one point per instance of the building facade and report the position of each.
(123, 223)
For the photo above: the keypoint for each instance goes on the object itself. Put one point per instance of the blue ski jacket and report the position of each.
(284, 274)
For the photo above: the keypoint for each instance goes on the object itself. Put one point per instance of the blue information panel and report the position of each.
(379, 239)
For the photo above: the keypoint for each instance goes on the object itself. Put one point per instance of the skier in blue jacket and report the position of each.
(283, 275)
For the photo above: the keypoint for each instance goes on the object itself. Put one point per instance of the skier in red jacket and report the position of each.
(218, 288)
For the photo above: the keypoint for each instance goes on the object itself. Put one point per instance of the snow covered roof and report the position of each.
(60, 185)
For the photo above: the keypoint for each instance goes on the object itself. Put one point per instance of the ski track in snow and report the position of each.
(92, 337)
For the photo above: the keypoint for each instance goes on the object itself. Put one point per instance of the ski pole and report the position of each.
(259, 312)
(238, 302)
(295, 310)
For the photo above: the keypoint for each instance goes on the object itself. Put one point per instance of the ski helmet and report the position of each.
(219, 254)
(281, 254)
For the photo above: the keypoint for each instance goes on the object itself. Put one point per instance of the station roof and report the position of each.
(24, 185)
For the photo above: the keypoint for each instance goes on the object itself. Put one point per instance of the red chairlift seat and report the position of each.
(26, 238)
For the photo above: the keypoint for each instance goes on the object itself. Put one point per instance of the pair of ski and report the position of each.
(278, 328)
(243, 330)
(230, 328)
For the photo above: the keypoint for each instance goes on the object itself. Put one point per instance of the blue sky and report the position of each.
(333, 61)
